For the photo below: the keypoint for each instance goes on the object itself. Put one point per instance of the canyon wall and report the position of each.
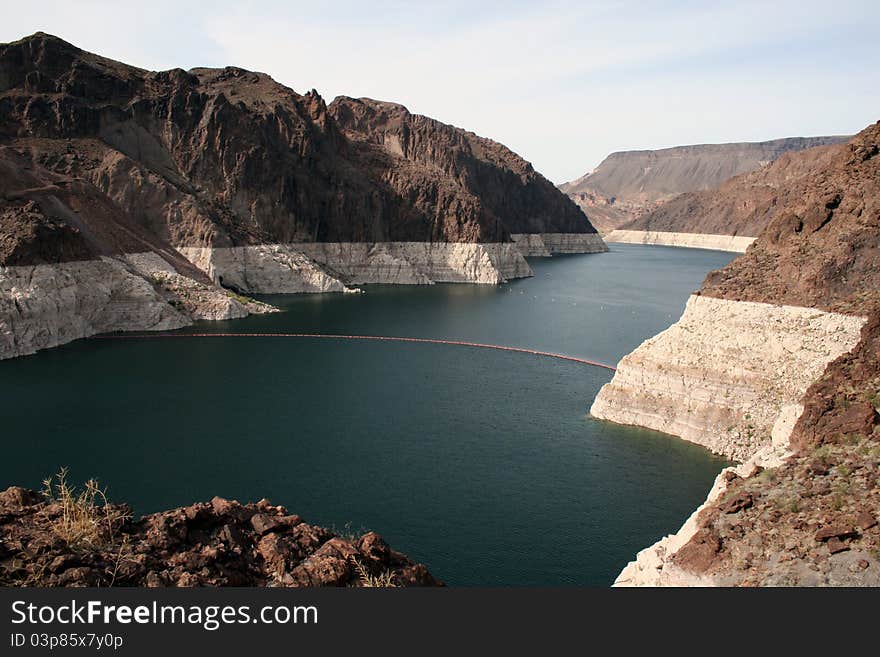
(728, 374)
(47, 305)
(332, 267)
(167, 187)
(775, 364)
(740, 206)
(421, 262)
(630, 184)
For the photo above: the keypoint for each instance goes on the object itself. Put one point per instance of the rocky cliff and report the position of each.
(803, 506)
(167, 187)
(220, 543)
(630, 184)
(729, 375)
(425, 160)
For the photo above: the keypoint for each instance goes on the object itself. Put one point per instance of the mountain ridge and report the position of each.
(628, 184)
(159, 198)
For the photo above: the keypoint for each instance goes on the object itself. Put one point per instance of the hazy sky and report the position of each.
(561, 83)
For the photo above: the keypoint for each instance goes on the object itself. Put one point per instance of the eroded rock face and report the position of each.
(418, 157)
(44, 306)
(420, 262)
(47, 305)
(725, 373)
(263, 269)
(220, 543)
(549, 244)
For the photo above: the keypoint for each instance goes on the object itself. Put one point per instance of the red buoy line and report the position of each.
(381, 338)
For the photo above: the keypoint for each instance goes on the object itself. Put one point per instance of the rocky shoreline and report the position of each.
(219, 543)
(734, 243)
(333, 267)
(47, 305)
(729, 375)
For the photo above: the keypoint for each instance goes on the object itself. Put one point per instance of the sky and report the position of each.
(561, 83)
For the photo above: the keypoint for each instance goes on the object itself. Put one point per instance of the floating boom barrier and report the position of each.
(378, 338)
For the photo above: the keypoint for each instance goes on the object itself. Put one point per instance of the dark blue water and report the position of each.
(482, 464)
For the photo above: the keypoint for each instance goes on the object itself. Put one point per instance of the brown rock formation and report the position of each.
(227, 157)
(227, 178)
(813, 519)
(221, 543)
(743, 205)
(631, 190)
(408, 151)
(821, 245)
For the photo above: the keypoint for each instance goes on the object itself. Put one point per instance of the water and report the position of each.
(482, 464)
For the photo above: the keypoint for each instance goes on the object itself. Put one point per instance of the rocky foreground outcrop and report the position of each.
(176, 192)
(220, 543)
(802, 507)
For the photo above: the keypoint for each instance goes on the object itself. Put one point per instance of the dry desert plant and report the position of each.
(383, 580)
(86, 519)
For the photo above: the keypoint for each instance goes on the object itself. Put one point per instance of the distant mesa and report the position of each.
(630, 185)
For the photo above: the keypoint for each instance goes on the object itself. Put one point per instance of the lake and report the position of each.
(482, 464)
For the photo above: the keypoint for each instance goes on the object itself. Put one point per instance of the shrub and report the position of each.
(383, 580)
(86, 519)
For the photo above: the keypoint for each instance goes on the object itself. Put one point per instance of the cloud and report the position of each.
(563, 83)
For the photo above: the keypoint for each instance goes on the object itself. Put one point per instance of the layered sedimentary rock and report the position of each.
(733, 243)
(629, 184)
(47, 305)
(333, 266)
(263, 269)
(802, 510)
(420, 262)
(726, 373)
(44, 306)
(549, 244)
(220, 543)
(235, 181)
